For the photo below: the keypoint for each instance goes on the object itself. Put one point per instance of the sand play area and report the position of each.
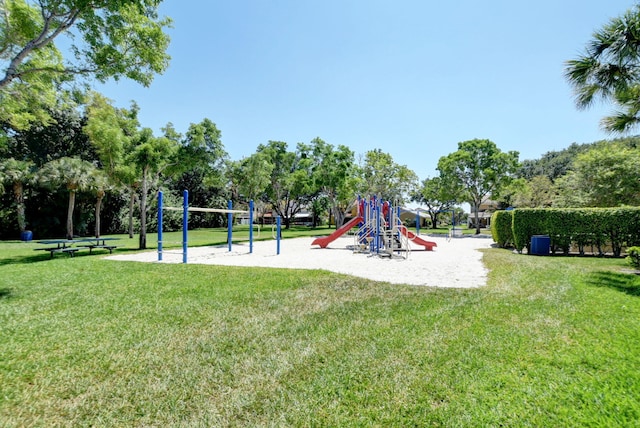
(456, 263)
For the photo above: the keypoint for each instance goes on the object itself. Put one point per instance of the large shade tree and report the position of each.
(105, 39)
(151, 156)
(248, 180)
(199, 166)
(437, 195)
(381, 176)
(609, 69)
(290, 183)
(478, 169)
(250, 176)
(111, 132)
(333, 175)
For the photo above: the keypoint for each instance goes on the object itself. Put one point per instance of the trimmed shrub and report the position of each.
(633, 257)
(526, 223)
(502, 228)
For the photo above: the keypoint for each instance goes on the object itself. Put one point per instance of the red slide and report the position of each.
(326, 240)
(428, 245)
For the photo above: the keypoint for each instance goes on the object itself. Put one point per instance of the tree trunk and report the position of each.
(477, 217)
(330, 215)
(72, 202)
(338, 216)
(434, 220)
(98, 207)
(18, 194)
(132, 197)
(143, 212)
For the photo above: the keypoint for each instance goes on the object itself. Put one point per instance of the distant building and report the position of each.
(485, 211)
(409, 217)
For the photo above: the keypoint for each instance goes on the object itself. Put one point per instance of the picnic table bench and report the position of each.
(71, 246)
(100, 243)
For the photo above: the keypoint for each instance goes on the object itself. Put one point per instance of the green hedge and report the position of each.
(596, 227)
(633, 257)
(502, 228)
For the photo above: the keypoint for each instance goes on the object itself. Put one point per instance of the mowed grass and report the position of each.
(551, 341)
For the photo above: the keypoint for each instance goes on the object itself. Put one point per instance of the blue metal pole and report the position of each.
(160, 226)
(185, 224)
(229, 223)
(418, 222)
(372, 219)
(377, 211)
(398, 222)
(251, 226)
(278, 235)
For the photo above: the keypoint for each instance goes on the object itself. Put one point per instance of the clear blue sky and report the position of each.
(410, 77)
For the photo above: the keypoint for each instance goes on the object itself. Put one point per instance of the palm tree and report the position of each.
(73, 173)
(610, 70)
(17, 173)
(100, 185)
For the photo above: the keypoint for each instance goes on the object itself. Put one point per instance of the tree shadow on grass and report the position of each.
(624, 282)
(43, 256)
(23, 259)
(6, 293)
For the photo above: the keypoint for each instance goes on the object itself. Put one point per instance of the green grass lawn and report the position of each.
(551, 341)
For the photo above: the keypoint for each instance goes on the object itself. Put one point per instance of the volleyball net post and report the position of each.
(185, 222)
(159, 226)
(251, 226)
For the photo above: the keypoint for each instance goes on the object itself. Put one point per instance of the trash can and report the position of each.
(540, 245)
(26, 235)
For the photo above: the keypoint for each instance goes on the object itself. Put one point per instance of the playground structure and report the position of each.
(380, 231)
(229, 211)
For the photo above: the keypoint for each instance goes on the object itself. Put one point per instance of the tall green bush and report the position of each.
(502, 228)
(526, 223)
(633, 256)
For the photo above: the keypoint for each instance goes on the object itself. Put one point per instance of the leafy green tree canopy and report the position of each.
(250, 176)
(333, 176)
(437, 195)
(63, 136)
(151, 156)
(383, 177)
(106, 39)
(291, 182)
(605, 176)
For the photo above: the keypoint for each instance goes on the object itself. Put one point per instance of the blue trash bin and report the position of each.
(26, 235)
(540, 245)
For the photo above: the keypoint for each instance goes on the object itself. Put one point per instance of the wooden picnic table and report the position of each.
(71, 246)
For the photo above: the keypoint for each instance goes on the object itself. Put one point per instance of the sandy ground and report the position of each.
(454, 264)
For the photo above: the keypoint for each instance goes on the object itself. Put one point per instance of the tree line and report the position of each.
(94, 169)
(97, 150)
(66, 149)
